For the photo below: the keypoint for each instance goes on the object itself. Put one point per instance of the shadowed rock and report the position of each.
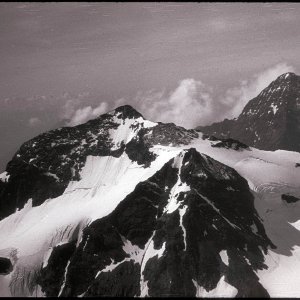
(5, 266)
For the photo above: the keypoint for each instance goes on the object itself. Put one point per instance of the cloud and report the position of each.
(190, 104)
(236, 98)
(193, 103)
(74, 112)
(69, 108)
(119, 102)
(84, 114)
(72, 103)
(187, 105)
(34, 121)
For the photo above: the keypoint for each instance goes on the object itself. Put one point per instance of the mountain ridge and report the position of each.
(54, 158)
(270, 121)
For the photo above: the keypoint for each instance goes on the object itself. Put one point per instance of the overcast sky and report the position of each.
(187, 63)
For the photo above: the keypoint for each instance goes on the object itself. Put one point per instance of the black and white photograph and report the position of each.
(150, 149)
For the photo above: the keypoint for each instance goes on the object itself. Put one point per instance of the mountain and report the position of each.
(167, 235)
(44, 166)
(122, 206)
(270, 121)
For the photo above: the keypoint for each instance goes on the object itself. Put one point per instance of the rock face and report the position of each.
(175, 232)
(5, 266)
(270, 121)
(289, 198)
(225, 143)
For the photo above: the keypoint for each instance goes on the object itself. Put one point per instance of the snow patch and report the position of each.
(135, 252)
(111, 267)
(274, 107)
(65, 277)
(179, 186)
(295, 224)
(182, 212)
(52, 175)
(4, 176)
(148, 124)
(224, 257)
(229, 188)
(254, 228)
(149, 253)
(201, 174)
(223, 289)
(46, 257)
(127, 130)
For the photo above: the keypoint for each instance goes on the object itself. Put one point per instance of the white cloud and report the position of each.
(34, 121)
(236, 98)
(69, 108)
(72, 103)
(120, 102)
(190, 104)
(187, 105)
(84, 114)
(193, 103)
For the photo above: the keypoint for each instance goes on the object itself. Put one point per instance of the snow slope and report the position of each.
(105, 182)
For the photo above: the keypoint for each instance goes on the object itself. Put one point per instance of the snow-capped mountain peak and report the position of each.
(269, 121)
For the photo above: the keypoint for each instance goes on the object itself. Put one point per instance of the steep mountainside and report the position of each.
(270, 121)
(44, 166)
(121, 206)
(186, 222)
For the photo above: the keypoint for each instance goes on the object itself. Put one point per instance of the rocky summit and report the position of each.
(123, 206)
(270, 121)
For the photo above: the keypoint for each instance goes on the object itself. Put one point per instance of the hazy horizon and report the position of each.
(187, 63)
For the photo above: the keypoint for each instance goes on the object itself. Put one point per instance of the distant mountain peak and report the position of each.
(287, 75)
(288, 79)
(270, 121)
